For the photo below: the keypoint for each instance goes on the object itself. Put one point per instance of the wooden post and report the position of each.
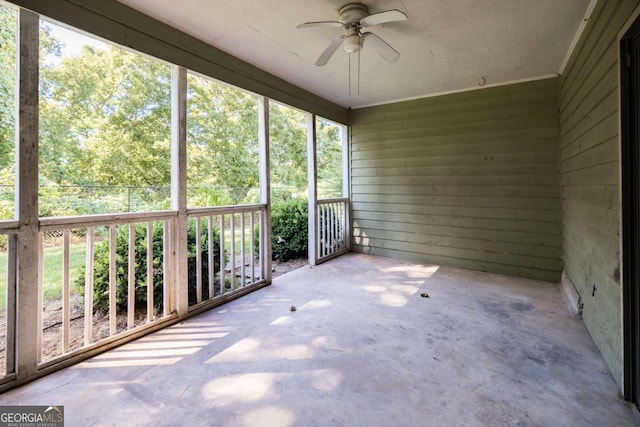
(312, 175)
(28, 312)
(346, 185)
(179, 184)
(265, 187)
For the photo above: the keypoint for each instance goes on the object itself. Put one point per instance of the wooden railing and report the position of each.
(333, 228)
(229, 256)
(127, 258)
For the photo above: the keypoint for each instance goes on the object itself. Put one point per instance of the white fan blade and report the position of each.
(392, 15)
(322, 24)
(382, 47)
(329, 51)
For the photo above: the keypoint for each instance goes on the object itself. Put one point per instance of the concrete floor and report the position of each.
(362, 349)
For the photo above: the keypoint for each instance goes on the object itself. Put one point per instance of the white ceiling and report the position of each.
(445, 46)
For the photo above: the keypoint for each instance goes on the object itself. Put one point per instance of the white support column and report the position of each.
(265, 186)
(346, 183)
(312, 174)
(179, 184)
(28, 311)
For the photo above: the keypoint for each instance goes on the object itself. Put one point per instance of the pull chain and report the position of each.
(349, 75)
(358, 72)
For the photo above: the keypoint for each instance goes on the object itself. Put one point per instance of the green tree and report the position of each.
(222, 133)
(7, 110)
(288, 150)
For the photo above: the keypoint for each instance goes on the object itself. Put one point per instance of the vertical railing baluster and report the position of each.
(66, 292)
(150, 312)
(341, 227)
(233, 251)
(323, 230)
(222, 263)
(12, 275)
(40, 293)
(252, 249)
(88, 287)
(334, 228)
(166, 268)
(198, 260)
(242, 250)
(210, 254)
(112, 280)
(131, 295)
(261, 249)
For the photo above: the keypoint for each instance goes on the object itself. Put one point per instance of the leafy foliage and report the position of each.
(289, 228)
(101, 267)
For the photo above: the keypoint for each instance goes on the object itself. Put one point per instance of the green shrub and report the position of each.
(289, 229)
(191, 260)
(101, 267)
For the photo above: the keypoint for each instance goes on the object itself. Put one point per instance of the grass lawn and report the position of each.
(52, 280)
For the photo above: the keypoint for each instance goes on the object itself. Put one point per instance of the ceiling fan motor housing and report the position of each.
(352, 13)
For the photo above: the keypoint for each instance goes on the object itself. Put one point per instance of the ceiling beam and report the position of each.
(128, 27)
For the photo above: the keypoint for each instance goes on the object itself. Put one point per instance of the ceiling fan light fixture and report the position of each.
(352, 43)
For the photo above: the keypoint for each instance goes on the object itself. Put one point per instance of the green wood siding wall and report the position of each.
(468, 180)
(590, 176)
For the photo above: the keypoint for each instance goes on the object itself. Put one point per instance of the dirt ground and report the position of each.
(52, 320)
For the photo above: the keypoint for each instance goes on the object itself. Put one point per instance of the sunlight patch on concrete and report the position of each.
(393, 299)
(250, 349)
(269, 416)
(284, 320)
(244, 388)
(315, 304)
(413, 271)
(393, 295)
(374, 288)
(326, 379)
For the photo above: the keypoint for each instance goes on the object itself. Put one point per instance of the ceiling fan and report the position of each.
(353, 17)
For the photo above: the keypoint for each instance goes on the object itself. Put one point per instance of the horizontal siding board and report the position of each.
(550, 240)
(394, 185)
(606, 109)
(467, 186)
(496, 100)
(601, 131)
(489, 245)
(488, 254)
(603, 81)
(462, 211)
(601, 174)
(606, 151)
(468, 154)
(469, 125)
(505, 112)
(464, 222)
(417, 136)
(486, 168)
(469, 201)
